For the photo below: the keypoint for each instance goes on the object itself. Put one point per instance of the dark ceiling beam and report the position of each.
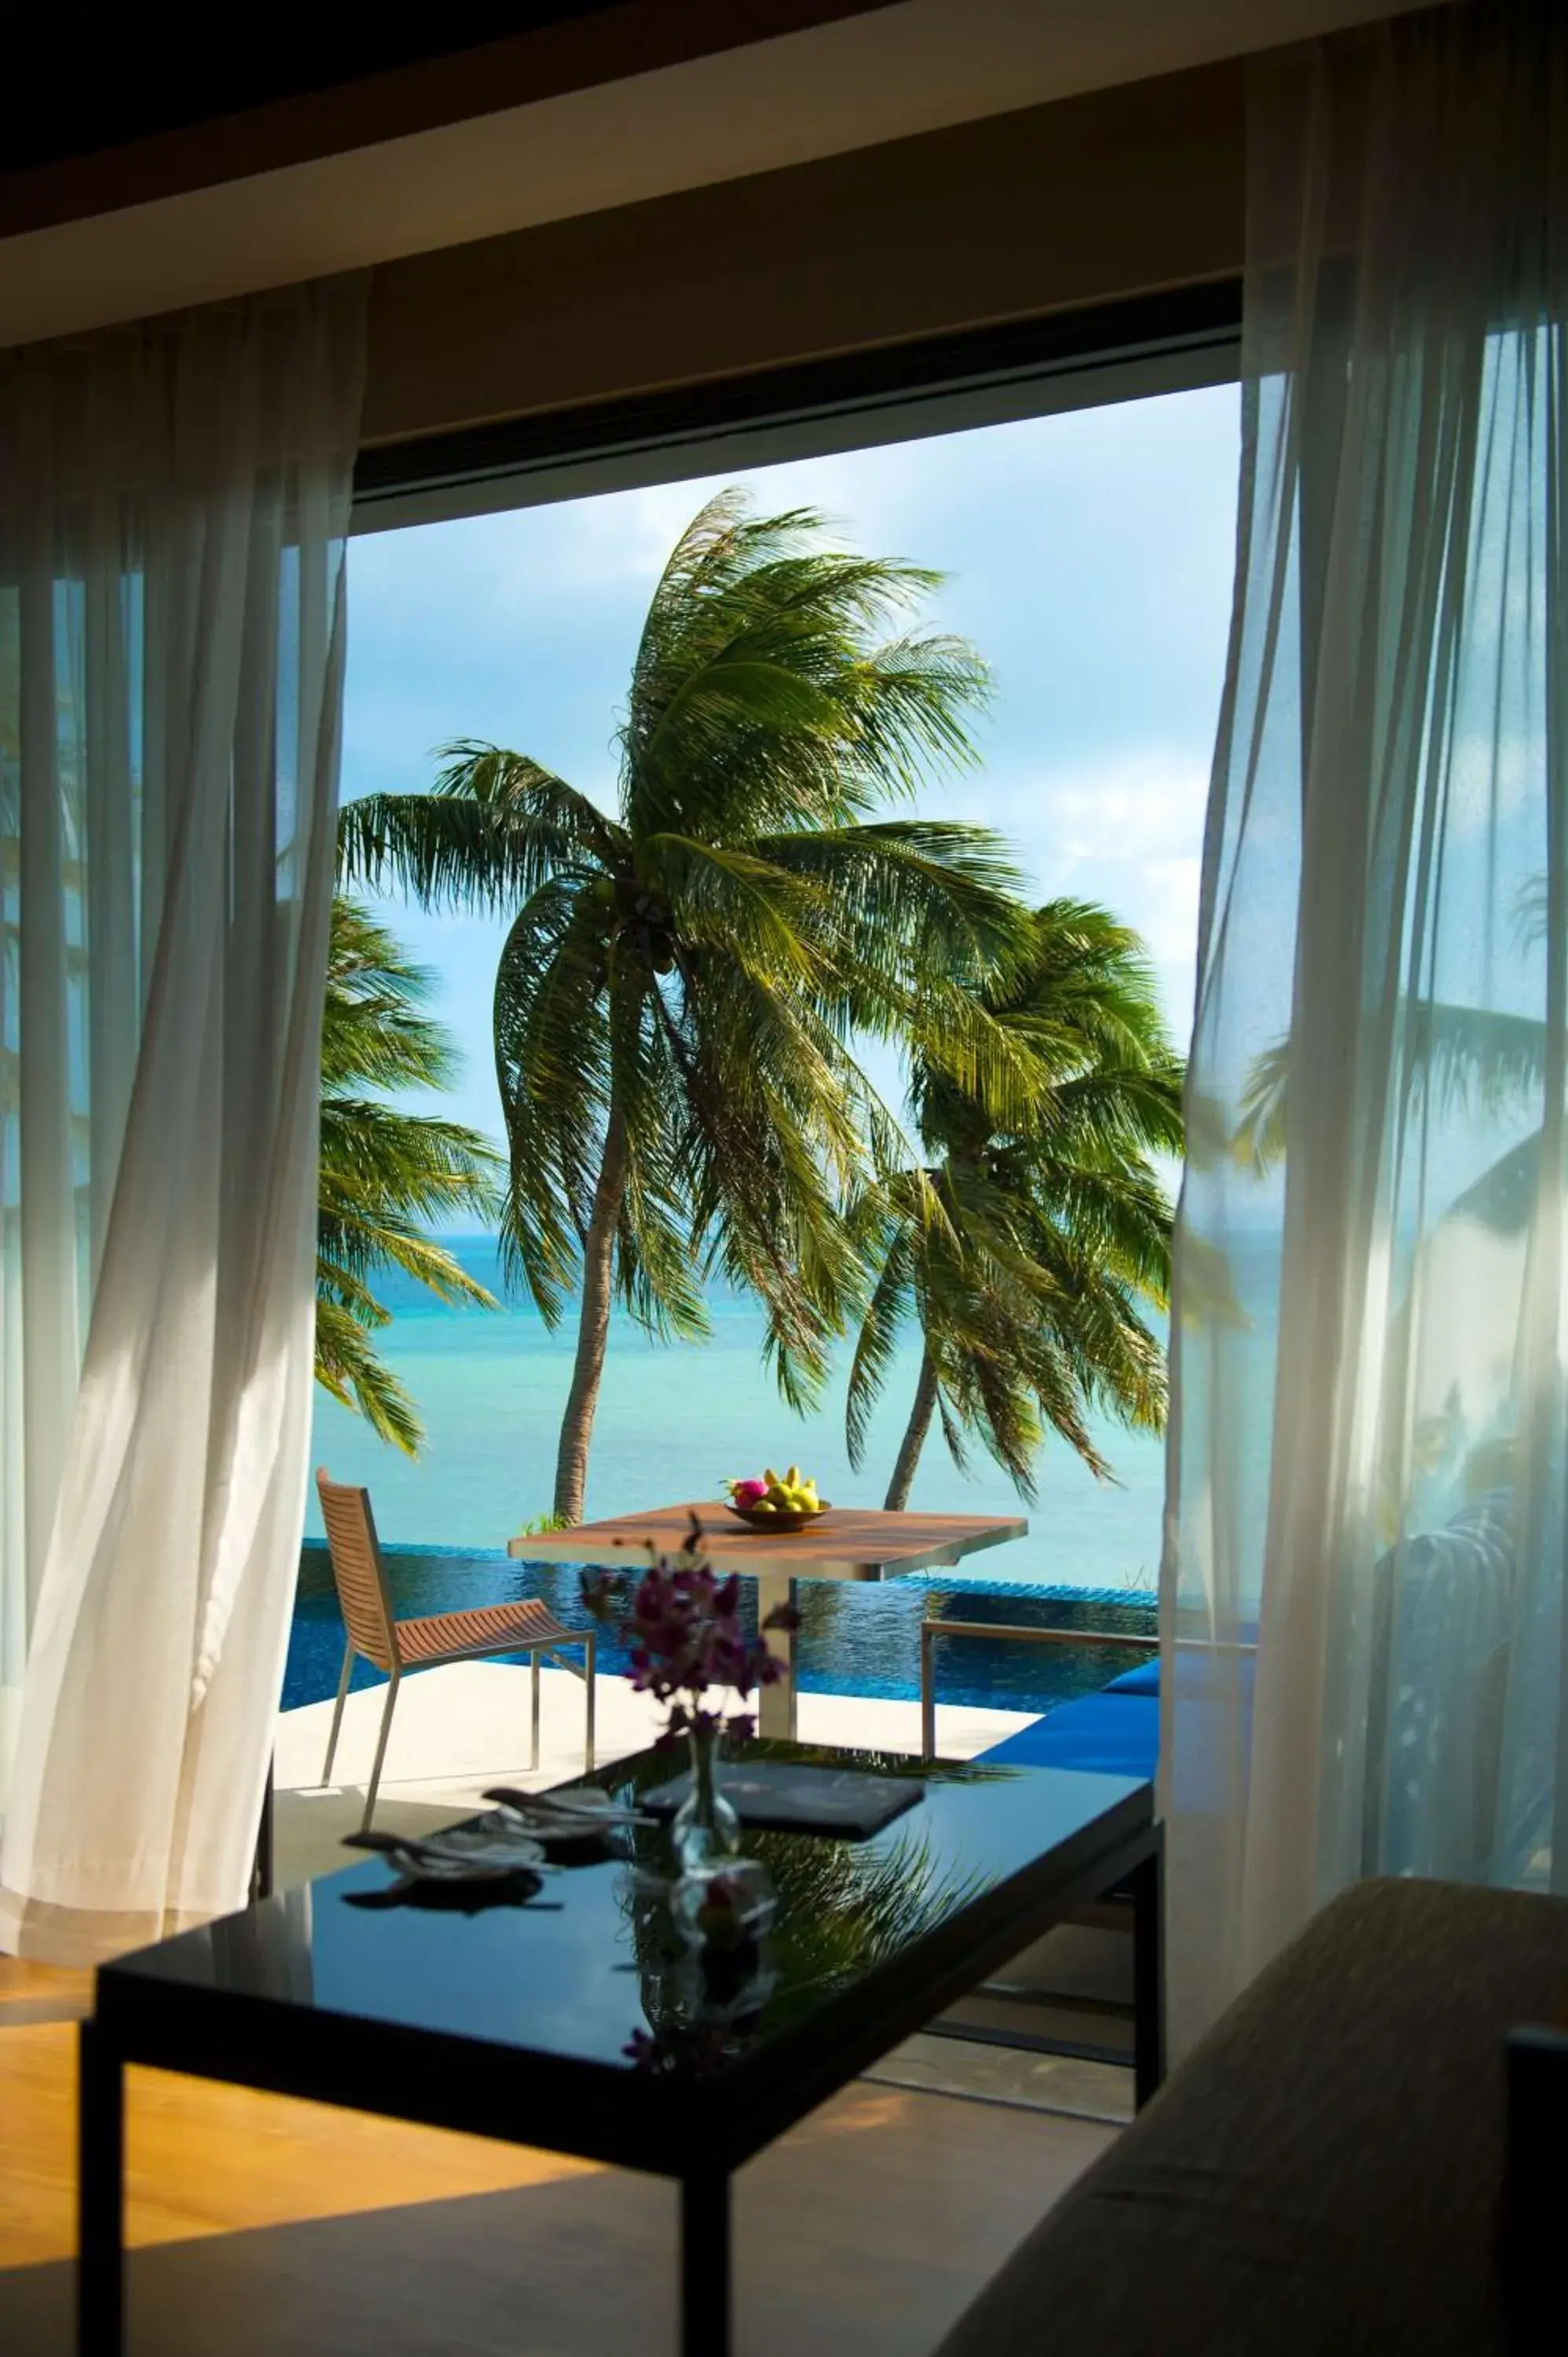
(119, 115)
(1085, 201)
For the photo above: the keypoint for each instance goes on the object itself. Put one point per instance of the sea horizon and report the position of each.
(674, 1419)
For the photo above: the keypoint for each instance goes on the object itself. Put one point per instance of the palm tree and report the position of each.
(681, 988)
(384, 1173)
(1025, 1249)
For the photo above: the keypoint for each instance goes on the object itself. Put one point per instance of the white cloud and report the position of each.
(1169, 922)
(626, 536)
(1144, 806)
(1126, 831)
(1141, 810)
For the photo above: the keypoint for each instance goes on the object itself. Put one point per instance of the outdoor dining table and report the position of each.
(850, 1543)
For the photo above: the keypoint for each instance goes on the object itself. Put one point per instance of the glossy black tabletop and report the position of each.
(590, 1976)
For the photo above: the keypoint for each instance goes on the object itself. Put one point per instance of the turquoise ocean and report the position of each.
(673, 1420)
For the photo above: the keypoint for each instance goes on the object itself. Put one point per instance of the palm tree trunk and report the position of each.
(593, 1325)
(914, 1438)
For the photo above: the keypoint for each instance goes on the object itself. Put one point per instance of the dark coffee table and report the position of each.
(577, 2023)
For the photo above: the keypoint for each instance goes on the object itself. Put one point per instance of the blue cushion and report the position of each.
(1105, 1734)
(1144, 1679)
(1116, 1732)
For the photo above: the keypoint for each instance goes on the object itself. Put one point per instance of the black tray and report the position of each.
(776, 1795)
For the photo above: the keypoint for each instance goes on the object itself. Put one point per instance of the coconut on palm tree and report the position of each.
(683, 980)
(1027, 1251)
(385, 1173)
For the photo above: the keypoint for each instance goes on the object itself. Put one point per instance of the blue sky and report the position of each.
(1089, 556)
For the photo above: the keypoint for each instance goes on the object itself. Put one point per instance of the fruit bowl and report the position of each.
(778, 1519)
(768, 1501)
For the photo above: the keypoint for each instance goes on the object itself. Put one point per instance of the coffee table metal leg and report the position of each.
(1148, 1972)
(100, 2145)
(261, 1866)
(706, 2266)
(775, 1703)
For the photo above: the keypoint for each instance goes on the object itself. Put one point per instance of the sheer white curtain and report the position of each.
(174, 498)
(1364, 1564)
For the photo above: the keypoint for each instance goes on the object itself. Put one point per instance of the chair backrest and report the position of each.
(356, 1556)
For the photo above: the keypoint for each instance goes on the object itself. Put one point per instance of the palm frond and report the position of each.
(495, 827)
(374, 1031)
(1043, 1103)
(348, 1367)
(887, 1307)
(553, 1069)
(384, 1174)
(727, 899)
(764, 694)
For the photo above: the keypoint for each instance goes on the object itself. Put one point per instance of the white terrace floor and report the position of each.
(458, 1730)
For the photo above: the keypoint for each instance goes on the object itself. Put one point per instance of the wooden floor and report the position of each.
(261, 2224)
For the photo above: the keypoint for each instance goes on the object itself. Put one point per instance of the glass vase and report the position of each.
(723, 1912)
(705, 1830)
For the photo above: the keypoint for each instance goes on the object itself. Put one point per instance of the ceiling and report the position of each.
(821, 89)
(142, 87)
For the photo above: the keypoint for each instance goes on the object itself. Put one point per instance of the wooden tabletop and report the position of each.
(846, 1543)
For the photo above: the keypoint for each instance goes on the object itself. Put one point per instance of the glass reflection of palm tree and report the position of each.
(1469, 1059)
(1477, 1062)
(843, 1909)
(1473, 1064)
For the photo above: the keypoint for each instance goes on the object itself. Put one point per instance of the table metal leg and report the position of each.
(706, 2266)
(100, 2152)
(1148, 1972)
(261, 1866)
(775, 1703)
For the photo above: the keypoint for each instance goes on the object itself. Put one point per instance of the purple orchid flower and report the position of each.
(684, 1638)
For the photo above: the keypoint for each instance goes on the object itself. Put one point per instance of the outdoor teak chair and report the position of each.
(526, 1627)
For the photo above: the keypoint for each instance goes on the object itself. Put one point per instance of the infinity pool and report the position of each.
(854, 1639)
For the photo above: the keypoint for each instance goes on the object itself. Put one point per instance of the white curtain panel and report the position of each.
(1362, 1593)
(174, 501)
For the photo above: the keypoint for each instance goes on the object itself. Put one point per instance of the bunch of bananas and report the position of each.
(771, 1495)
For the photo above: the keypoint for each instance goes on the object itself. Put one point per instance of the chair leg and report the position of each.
(338, 1711)
(533, 1673)
(380, 1754)
(588, 1730)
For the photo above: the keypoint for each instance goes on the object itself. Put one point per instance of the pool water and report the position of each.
(854, 1639)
